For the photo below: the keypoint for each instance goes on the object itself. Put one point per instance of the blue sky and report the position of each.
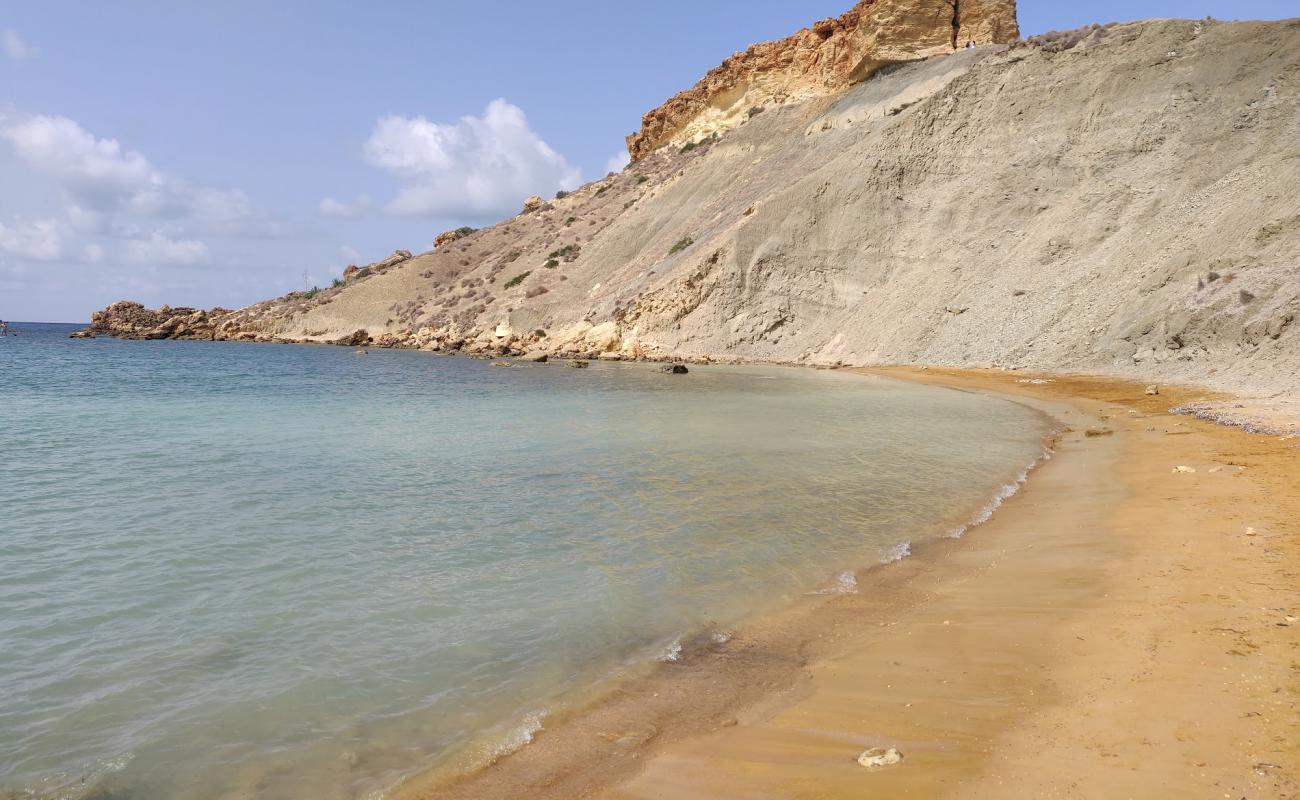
(220, 153)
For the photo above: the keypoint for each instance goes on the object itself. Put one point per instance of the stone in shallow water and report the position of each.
(878, 757)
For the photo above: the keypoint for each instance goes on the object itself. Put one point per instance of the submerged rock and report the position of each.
(674, 369)
(578, 364)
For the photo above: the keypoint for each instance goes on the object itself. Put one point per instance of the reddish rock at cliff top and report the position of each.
(828, 57)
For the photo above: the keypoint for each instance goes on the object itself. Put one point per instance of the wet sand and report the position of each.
(1118, 629)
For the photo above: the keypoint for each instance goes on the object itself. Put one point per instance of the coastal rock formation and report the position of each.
(823, 59)
(130, 320)
(1117, 199)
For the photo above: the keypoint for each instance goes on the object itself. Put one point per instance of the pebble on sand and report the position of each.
(878, 757)
(1184, 470)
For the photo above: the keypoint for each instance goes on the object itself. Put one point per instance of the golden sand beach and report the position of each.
(1125, 626)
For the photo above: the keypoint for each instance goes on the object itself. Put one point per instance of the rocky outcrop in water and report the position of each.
(131, 320)
(823, 59)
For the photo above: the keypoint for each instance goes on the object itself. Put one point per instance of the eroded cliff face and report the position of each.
(823, 59)
(1116, 199)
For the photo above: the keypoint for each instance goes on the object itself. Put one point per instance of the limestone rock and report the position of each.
(824, 59)
(396, 258)
(355, 339)
(1152, 391)
(878, 757)
(533, 203)
(448, 237)
(577, 364)
(350, 272)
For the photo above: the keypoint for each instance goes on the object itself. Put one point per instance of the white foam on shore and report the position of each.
(1003, 494)
(898, 552)
(521, 736)
(845, 583)
(672, 653)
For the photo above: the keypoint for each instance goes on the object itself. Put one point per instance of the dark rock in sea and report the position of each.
(578, 364)
(674, 369)
(358, 338)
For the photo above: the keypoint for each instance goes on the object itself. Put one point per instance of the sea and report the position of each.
(286, 571)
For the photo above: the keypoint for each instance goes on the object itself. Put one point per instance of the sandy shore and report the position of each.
(1127, 626)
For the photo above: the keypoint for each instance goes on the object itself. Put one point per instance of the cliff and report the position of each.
(1117, 200)
(820, 60)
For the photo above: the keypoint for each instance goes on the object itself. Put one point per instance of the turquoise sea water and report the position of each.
(233, 570)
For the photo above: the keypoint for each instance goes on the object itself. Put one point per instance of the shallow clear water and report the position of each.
(282, 571)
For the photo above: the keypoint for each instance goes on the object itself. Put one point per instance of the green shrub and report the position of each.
(516, 280)
(570, 221)
(466, 231)
(337, 283)
(640, 179)
(681, 245)
(689, 146)
(552, 263)
(560, 195)
(602, 190)
(511, 256)
(539, 333)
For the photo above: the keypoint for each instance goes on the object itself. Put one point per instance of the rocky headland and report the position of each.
(1118, 199)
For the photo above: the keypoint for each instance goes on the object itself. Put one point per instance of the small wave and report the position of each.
(70, 786)
(1001, 496)
(521, 736)
(672, 653)
(898, 552)
(845, 583)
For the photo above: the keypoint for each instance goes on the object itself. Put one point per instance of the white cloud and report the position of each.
(618, 162)
(476, 166)
(159, 249)
(335, 208)
(101, 176)
(41, 240)
(15, 47)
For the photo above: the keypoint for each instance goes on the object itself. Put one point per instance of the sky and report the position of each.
(202, 154)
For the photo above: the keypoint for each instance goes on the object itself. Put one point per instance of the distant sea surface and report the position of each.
(236, 570)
